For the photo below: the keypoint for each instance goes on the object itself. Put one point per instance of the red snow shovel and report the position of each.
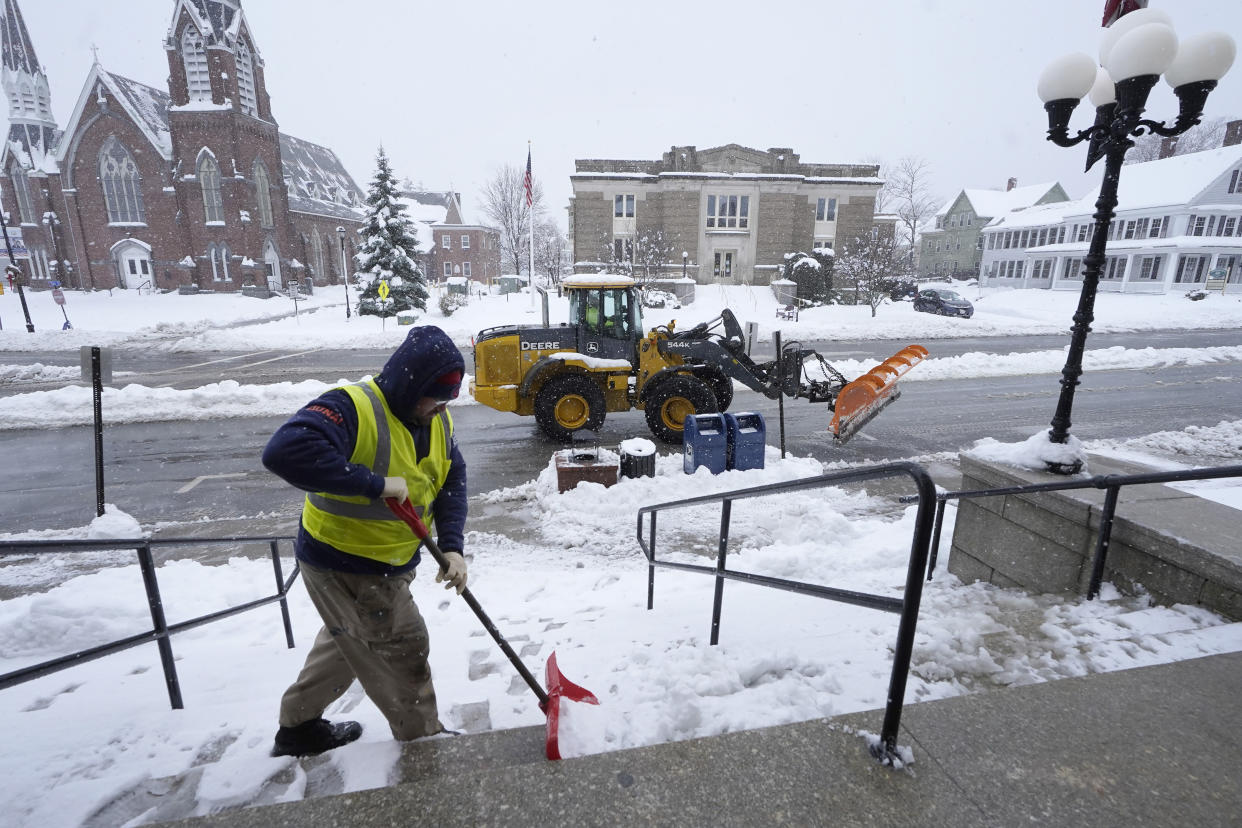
(559, 687)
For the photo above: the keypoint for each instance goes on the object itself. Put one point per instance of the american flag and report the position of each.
(1114, 9)
(530, 195)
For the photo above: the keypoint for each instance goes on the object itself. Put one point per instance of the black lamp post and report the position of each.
(685, 260)
(340, 234)
(15, 271)
(1135, 51)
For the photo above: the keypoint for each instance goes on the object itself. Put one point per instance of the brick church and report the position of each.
(193, 187)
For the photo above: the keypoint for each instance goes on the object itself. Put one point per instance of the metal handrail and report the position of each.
(161, 630)
(1112, 485)
(907, 605)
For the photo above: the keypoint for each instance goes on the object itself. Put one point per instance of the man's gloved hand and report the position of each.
(454, 572)
(396, 487)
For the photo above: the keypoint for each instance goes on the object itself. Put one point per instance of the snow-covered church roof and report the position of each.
(147, 105)
(317, 180)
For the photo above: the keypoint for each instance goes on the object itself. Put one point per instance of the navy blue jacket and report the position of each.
(312, 450)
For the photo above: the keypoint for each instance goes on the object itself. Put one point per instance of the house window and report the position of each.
(1229, 264)
(465, 242)
(194, 56)
(1211, 226)
(118, 174)
(465, 269)
(1229, 226)
(1114, 268)
(446, 241)
(1197, 225)
(1157, 227)
(623, 206)
(1190, 269)
(1073, 269)
(245, 79)
(727, 211)
(1149, 268)
(448, 269)
(21, 189)
(263, 193)
(1235, 184)
(209, 180)
(826, 209)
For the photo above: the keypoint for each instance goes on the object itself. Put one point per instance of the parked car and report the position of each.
(660, 299)
(944, 302)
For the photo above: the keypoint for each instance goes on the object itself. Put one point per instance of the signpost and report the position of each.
(58, 296)
(383, 292)
(293, 294)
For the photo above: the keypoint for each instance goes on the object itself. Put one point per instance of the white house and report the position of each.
(1178, 222)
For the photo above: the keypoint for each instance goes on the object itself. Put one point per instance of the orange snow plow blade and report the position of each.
(861, 400)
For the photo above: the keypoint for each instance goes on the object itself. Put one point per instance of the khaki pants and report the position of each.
(372, 632)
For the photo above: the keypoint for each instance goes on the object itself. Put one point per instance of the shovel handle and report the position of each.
(406, 512)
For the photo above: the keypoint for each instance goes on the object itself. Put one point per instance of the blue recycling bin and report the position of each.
(747, 440)
(705, 441)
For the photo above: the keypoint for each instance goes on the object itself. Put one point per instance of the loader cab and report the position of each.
(607, 314)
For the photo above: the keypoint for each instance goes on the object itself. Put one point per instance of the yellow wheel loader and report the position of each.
(569, 376)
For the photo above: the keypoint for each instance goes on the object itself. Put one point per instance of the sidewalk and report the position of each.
(1151, 746)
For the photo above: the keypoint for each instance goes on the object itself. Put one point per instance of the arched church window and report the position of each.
(28, 100)
(121, 183)
(194, 55)
(209, 180)
(245, 79)
(263, 193)
(21, 191)
(317, 254)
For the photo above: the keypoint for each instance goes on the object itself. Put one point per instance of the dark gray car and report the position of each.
(944, 302)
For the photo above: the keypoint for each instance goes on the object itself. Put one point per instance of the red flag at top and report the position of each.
(1114, 9)
(530, 195)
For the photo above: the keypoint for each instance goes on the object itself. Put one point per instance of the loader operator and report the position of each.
(349, 448)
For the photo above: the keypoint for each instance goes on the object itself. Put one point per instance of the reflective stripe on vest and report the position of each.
(365, 527)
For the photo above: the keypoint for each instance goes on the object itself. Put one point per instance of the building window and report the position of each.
(317, 254)
(1073, 269)
(465, 242)
(446, 241)
(1149, 268)
(21, 190)
(1235, 181)
(826, 210)
(118, 174)
(623, 206)
(822, 244)
(728, 211)
(1114, 268)
(1190, 269)
(209, 180)
(194, 56)
(1229, 226)
(623, 250)
(448, 269)
(245, 80)
(262, 193)
(465, 269)
(1197, 225)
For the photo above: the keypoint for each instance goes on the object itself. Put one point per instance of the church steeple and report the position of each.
(32, 125)
(213, 58)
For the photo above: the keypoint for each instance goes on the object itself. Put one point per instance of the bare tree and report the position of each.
(1209, 134)
(871, 265)
(504, 204)
(910, 197)
(551, 250)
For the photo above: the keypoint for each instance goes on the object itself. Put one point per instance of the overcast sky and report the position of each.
(454, 90)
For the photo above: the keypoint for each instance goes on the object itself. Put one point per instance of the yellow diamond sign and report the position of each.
(383, 291)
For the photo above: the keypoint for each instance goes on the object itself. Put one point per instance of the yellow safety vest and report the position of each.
(361, 526)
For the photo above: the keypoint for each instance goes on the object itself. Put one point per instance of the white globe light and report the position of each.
(1147, 50)
(1202, 57)
(1067, 77)
(1127, 22)
(1103, 91)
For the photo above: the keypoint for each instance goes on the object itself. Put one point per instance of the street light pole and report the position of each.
(685, 259)
(1136, 50)
(15, 271)
(340, 234)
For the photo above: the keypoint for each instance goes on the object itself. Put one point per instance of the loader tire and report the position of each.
(567, 404)
(722, 389)
(674, 399)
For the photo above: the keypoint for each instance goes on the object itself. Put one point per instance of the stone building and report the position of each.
(727, 214)
(191, 187)
(953, 247)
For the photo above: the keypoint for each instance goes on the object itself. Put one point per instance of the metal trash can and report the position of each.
(637, 458)
(705, 442)
(747, 440)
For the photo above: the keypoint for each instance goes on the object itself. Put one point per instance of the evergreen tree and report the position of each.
(389, 250)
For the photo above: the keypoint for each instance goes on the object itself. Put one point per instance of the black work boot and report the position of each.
(314, 737)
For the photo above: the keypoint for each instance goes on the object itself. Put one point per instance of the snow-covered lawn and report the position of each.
(570, 578)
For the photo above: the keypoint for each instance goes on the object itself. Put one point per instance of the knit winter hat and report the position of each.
(445, 386)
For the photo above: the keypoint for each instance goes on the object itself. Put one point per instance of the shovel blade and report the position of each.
(559, 688)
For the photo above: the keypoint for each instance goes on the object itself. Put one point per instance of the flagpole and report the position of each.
(530, 208)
